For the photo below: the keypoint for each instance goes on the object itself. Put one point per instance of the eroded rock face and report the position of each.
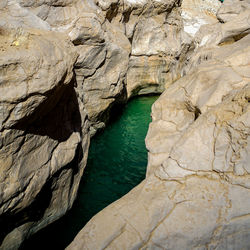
(161, 39)
(65, 64)
(43, 135)
(103, 52)
(196, 194)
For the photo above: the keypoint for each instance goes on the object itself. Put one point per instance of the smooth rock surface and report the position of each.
(196, 194)
(43, 134)
(65, 64)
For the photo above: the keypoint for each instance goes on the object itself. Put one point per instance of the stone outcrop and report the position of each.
(44, 135)
(187, 203)
(103, 52)
(160, 42)
(63, 67)
(65, 64)
(196, 193)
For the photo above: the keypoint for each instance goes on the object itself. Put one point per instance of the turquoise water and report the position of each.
(117, 162)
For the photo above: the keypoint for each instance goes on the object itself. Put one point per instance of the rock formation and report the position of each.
(196, 194)
(65, 64)
(41, 131)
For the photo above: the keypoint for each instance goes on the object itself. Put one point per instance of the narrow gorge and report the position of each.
(66, 66)
(116, 163)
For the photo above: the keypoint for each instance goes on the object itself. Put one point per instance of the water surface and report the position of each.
(117, 162)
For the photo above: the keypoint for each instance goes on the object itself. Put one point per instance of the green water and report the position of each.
(117, 162)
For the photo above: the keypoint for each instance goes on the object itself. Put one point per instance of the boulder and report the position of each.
(103, 53)
(161, 40)
(43, 135)
(100, 71)
(230, 9)
(197, 197)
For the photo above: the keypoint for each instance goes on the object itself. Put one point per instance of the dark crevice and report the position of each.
(193, 109)
(120, 102)
(112, 12)
(126, 15)
(11, 220)
(60, 122)
(56, 118)
(46, 195)
(197, 113)
(233, 39)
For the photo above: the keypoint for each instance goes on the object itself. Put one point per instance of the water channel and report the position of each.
(117, 162)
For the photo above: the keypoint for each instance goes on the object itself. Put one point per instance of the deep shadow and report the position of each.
(57, 118)
(34, 241)
(117, 162)
(112, 12)
(34, 212)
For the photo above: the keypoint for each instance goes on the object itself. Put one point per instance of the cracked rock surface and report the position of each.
(196, 194)
(44, 135)
(65, 64)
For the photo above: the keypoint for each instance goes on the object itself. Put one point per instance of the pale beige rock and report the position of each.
(146, 75)
(230, 9)
(204, 86)
(166, 33)
(191, 204)
(43, 134)
(198, 164)
(103, 53)
(198, 13)
(14, 16)
(27, 68)
(139, 47)
(106, 84)
(224, 33)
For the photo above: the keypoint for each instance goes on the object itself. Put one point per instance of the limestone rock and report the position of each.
(43, 134)
(103, 53)
(196, 193)
(14, 16)
(44, 119)
(53, 98)
(103, 85)
(27, 68)
(155, 47)
(230, 9)
(203, 87)
(197, 198)
(146, 75)
(165, 37)
(197, 13)
(225, 33)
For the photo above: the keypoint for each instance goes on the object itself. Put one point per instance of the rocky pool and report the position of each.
(117, 162)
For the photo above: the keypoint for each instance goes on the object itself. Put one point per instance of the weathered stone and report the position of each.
(197, 188)
(103, 53)
(43, 135)
(189, 201)
(27, 65)
(225, 33)
(146, 75)
(204, 86)
(165, 37)
(230, 9)
(196, 194)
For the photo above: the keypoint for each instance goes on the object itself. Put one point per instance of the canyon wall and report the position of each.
(196, 194)
(64, 66)
(44, 134)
